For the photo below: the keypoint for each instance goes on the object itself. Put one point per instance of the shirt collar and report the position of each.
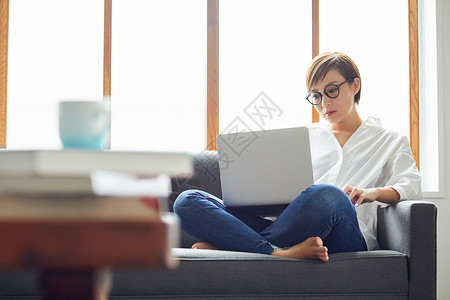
(370, 121)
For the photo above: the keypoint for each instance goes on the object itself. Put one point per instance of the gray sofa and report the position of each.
(405, 268)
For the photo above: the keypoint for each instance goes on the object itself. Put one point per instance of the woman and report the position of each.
(356, 164)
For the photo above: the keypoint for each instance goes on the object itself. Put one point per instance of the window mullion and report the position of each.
(315, 44)
(212, 94)
(107, 48)
(414, 79)
(4, 25)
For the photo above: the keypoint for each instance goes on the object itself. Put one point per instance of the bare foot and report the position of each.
(202, 245)
(311, 248)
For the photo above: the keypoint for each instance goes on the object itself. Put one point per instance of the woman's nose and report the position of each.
(326, 100)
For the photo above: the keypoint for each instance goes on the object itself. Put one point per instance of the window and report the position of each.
(265, 47)
(269, 42)
(158, 75)
(159, 68)
(49, 63)
(379, 49)
(431, 132)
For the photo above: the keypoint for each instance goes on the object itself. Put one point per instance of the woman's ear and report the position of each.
(356, 86)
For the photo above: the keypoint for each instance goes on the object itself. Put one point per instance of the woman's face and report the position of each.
(336, 110)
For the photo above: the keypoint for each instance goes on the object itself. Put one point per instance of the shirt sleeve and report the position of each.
(404, 176)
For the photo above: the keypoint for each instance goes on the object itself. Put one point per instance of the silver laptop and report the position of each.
(264, 171)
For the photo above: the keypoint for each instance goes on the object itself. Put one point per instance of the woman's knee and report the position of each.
(329, 195)
(328, 189)
(185, 199)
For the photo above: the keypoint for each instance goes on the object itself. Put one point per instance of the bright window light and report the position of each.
(265, 49)
(158, 75)
(375, 36)
(430, 151)
(55, 53)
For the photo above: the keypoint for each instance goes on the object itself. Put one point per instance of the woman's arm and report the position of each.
(359, 196)
(402, 180)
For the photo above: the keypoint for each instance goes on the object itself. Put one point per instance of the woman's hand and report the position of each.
(359, 196)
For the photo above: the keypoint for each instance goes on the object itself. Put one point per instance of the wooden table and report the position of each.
(73, 241)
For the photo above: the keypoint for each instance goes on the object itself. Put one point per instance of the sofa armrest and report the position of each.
(409, 227)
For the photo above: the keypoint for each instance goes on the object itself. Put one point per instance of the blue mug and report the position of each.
(84, 124)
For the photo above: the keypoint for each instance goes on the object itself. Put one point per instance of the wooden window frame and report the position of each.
(315, 46)
(107, 38)
(212, 75)
(4, 27)
(414, 133)
(212, 103)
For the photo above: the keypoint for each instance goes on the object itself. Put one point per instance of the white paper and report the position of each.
(107, 183)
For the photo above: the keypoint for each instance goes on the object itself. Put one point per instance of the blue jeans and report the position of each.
(321, 210)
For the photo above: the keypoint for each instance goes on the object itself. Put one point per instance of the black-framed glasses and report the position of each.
(331, 91)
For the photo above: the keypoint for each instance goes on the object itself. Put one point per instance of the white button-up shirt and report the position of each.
(372, 157)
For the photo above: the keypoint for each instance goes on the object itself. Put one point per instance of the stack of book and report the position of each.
(38, 172)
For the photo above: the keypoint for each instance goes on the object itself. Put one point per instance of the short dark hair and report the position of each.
(327, 61)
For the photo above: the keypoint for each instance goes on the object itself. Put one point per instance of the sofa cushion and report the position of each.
(209, 274)
(206, 177)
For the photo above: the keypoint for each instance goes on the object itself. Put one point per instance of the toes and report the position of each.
(317, 241)
(203, 245)
(321, 252)
(323, 256)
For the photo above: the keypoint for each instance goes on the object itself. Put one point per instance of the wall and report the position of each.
(443, 205)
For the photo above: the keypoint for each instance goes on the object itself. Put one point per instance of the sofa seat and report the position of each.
(212, 274)
(208, 274)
